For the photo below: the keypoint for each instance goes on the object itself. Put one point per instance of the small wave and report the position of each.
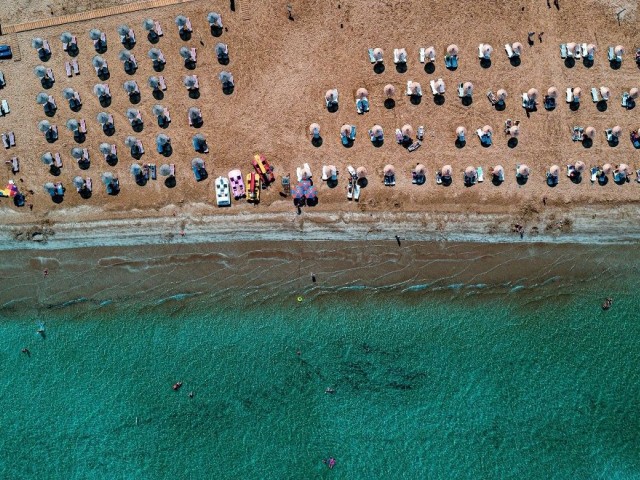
(416, 288)
(104, 303)
(517, 288)
(70, 303)
(177, 297)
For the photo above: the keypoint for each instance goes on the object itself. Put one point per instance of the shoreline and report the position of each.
(591, 225)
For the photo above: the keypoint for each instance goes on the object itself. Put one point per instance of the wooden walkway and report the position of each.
(90, 15)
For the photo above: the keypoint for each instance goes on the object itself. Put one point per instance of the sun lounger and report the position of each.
(325, 173)
(140, 147)
(433, 87)
(509, 50)
(5, 107)
(492, 98)
(353, 133)
(12, 139)
(372, 59)
(57, 162)
(172, 169)
(480, 174)
(67, 67)
(158, 29)
(480, 54)
(525, 100)
(438, 178)
(5, 140)
(611, 54)
(460, 90)
(2, 80)
(193, 55)
(569, 95)
(625, 99)
(187, 26)
(570, 170)
(577, 134)
(65, 46)
(350, 189)
(15, 165)
(45, 45)
(594, 95)
(594, 174)
(54, 129)
(399, 136)
(83, 126)
(134, 62)
(396, 56)
(76, 68)
(163, 85)
(563, 50)
(167, 116)
(414, 146)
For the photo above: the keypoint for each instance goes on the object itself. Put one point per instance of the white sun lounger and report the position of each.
(5, 140)
(372, 58)
(584, 49)
(83, 126)
(480, 174)
(76, 68)
(438, 178)
(325, 173)
(525, 100)
(307, 169)
(625, 99)
(569, 95)
(12, 139)
(433, 87)
(563, 50)
(611, 54)
(140, 147)
(194, 56)
(158, 29)
(67, 68)
(480, 55)
(163, 85)
(509, 50)
(594, 95)
(609, 134)
(57, 160)
(460, 90)
(50, 75)
(396, 56)
(2, 80)
(5, 107)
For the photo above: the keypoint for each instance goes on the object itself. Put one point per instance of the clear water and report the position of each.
(465, 377)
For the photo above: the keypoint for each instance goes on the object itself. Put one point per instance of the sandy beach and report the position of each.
(282, 69)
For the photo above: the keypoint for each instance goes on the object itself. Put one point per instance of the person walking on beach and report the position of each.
(46, 272)
(398, 240)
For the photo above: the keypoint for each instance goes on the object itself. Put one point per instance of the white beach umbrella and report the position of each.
(362, 93)
(605, 93)
(590, 132)
(487, 50)
(487, 129)
(430, 52)
(501, 94)
(407, 130)
(514, 131)
(377, 131)
(623, 168)
(591, 49)
(532, 94)
(461, 131)
(571, 47)
(446, 171)
(633, 93)
(554, 171)
(517, 48)
(439, 86)
(606, 168)
(619, 50)
(389, 90)
(420, 169)
(345, 130)
(498, 170)
(552, 92)
(453, 50)
(616, 131)
(467, 88)
(361, 172)
(389, 170)
(577, 92)
(314, 129)
(579, 166)
(378, 54)
(331, 95)
(470, 172)
(523, 170)
(47, 158)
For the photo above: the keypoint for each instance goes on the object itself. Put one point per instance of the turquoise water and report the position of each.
(470, 380)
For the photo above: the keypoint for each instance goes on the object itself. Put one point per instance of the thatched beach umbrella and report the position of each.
(377, 131)
(42, 98)
(633, 93)
(44, 126)
(107, 178)
(487, 130)
(446, 171)
(619, 50)
(407, 130)
(105, 148)
(389, 170)
(577, 92)
(453, 50)
(439, 86)
(461, 131)
(517, 48)
(164, 170)
(103, 118)
(514, 131)
(605, 93)
(552, 92)
(214, 19)
(498, 170)
(199, 142)
(197, 163)
(362, 93)
(590, 132)
(571, 47)
(606, 168)
(470, 172)
(487, 50)
(345, 130)
(77, 153)
(532, 94)
(361, 172)
(155, 54)
(158, 110)
(616, 131)
(40, 71)
(378, 54)
(314, 129)
(389, 90)
(181, 21)
(78, 182)
(579, 166)
(98, 62)
(221, 49)
(554, 170)
(467, 88)
(523, 170)
(420, 169)
(37, 43)
(73, 125)
(331, 95)
(47, 158)
(591, 49)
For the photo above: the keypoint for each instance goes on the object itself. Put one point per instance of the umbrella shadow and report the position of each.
(46, 83)
(349, 143)
(631, 104)
(552, 181)
(332, 183)
(520, 180)
(574, 106)
(43, 55)
(602, 106)
(485, 62)
(615, 64)
(447, 181)
(515, 61)
(316, 141)
(377, 142)
(57, 199)
(109, 129)
(55, 171)
(466, 101)
(50, 138)
(163, 123)
(312, 202)
(158, 66)
(228, 89)
(185, 35)
(84, 164)
(130, 68)
(460, 143)
(415, 99)
(512, 142)
(194, 93)
(158, 94)
(569, 62)
(576, 179)
(216, 31)
(389, 103)
(135, 98)
(362, 182)
(438, 99)
(170, 181)
(401, 67)
(105, 101)
(50, 112)
(79, 137)
(104, 75)
(197, 123)
(112, 160)
(378, 68)
(85, 193)
(136, 153)
(73, 50)
(141, 180)
(167, 150)
(189, 64)
(587, 142)
(613, 142)
(587, 62)
(153, 37)
(430, 68)
(223, 60)
(332, 107)
(75, 106)
(137, 126)
(603, 180)
(496, 180)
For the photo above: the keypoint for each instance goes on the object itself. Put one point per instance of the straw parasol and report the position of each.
(197, 163)
(389, 90)
(389, 170)
(453, 50)
(571, 47)
(467, 88)
(532, 94)
(105, 148)
(181, 20)
(619, 50)
(616, 131)
(439, 85)
(407, 130)
(470, 172)
(154, 54)
(331, 95)
(590, 132)
(606, 168)
(579, 166)
(362, 93)
(361, 172)
(214, 19)
(605, 92)
(497, 170)
(130, 141)
(577, 92)
(47, 158)
(514, 131)
(420, 169)
(37, 43)
(523, 170)
(162, 139)
(314, 129)
(345, 130)
(377, 54)
(591, 49)
(487, 50)
(66, 37)
(487, 129)
(185, 53)
(44, 126)
(42, 98)
(148, 24)
(501, 94)
(517, 48)
(623, 168)
(430, 52)
(78, 182)
(552, 92)
(377, 131)
(461, 131)
(446, 171)
(633, 93)
(554, 171)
